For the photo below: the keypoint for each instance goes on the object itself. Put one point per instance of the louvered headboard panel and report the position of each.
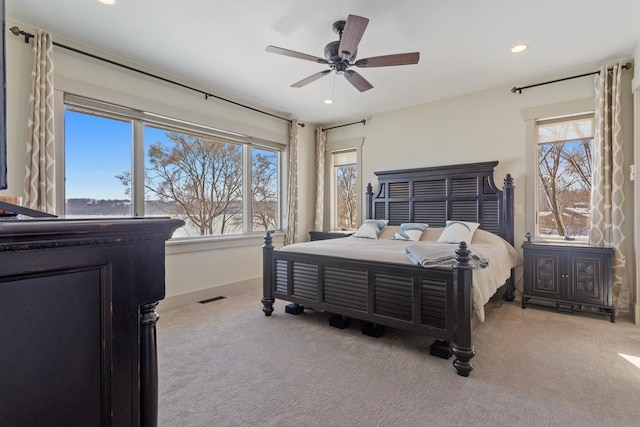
(465, 192)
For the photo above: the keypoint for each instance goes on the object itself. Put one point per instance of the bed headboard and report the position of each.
(465, 192)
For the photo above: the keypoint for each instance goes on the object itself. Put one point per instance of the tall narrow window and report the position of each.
(97, 150)
(564, 177)
(345, 164)
(265, 207)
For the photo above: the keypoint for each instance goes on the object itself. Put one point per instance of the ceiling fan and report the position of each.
(340, 55)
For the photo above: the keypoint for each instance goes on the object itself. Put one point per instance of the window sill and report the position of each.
(185, 244)
(576, 242)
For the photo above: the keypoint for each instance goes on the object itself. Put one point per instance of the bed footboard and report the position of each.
(433, 302)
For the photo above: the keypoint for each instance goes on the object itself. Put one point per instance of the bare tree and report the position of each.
(202, 176)
(549, 165)
(347, 196)
(565, 178)
(264, 188)
(200, 180)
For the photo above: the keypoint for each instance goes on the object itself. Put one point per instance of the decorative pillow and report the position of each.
(371, 228)
(410, 231)
(458, 231)
(388, 232)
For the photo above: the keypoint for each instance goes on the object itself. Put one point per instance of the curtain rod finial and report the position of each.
(16, 31)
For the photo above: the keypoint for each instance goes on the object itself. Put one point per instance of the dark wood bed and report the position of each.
(433, 302)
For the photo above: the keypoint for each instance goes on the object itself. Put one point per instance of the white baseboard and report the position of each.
(226, 290)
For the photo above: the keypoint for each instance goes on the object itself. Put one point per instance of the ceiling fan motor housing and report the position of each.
(332, 54)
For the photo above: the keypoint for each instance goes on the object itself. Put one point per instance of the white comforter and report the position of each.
(501, 255)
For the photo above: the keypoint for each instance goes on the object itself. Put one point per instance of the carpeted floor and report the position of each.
(225, 364)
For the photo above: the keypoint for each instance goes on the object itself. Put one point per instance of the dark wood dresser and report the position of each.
(77, 320)
(569, 277)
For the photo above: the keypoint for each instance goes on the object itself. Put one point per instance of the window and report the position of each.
(563, 184)
(264, 189)
(345, 165)
(120, 161)
(98, 149)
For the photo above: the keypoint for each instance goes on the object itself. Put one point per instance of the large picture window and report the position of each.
(218, 184)
(564, 171)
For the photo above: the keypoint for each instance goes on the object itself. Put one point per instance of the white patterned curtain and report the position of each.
(321, 140)
(39, 191)
(607, 196)
(292, 210)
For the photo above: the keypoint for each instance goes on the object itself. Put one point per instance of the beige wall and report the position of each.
(636, 188)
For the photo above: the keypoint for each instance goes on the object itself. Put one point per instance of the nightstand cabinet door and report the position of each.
(546, 280)
(587, 279)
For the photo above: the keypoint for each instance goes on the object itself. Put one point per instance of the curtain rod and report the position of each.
(514, 89)
(16, 31)
(363, 121)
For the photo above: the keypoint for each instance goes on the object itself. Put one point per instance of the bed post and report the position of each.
(267, 291)
(462, 348)
(369, 202)
(508, 230)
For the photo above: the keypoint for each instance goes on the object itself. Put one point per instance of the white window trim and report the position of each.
(329, 183)
(530, 116)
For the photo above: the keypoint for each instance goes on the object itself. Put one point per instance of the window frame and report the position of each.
(550, 121)
(334, 190)
(141, 119)
(531, 116)
(331, 208)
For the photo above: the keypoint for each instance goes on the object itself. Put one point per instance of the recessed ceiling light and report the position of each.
(109, 2)
(519, 48)
(328, 101)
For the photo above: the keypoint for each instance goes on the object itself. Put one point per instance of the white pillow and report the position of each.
(410, 231)
(371, 228)
(458, 231)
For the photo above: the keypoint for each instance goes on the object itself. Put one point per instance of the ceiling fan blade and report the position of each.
(357, 80)
(311, 78)
(294, 54)
(351, 35)
(389, 60)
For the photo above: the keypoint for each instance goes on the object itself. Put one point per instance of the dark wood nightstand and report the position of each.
(324, 235)
(569, 276)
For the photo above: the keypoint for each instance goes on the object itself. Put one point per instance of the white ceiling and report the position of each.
(464, 45)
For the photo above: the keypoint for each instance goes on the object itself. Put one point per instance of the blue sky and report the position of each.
(99, 148)
(96, 150)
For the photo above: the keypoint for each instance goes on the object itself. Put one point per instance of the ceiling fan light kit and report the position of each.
(340, 55)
